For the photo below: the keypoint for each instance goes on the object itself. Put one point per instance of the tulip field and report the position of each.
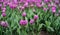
(29, 17)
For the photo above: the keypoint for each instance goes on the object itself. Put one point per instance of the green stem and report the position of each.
(1, 31)
(10, 30)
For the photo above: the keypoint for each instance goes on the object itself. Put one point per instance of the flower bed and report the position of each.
(29, 17)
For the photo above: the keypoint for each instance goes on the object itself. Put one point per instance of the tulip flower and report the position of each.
(35, 17)
(3, 14)
(31, 21)
(4, 24)
(24, 14)
(23, 22)
(53, 9)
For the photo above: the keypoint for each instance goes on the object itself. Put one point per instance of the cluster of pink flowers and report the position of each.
(24, 22)
(23, 4)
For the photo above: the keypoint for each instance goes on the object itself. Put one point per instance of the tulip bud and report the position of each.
(45, 9)
(35, 17)
(24, 14)
(53, 9)
(3, 14)
(3, 11)
(23, 22)
(4, 24)
(31, 21)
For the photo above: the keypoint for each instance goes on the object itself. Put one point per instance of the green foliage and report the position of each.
(46, 19)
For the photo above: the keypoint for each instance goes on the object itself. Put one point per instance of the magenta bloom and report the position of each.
(15, 1)
(4, 24)
(38, 5)
(5, 4)
(26, 4)
(56, 1)
(46, 1)
(12, 6)
(31, 21)
(39, 1)
(22, 7)
(49, 5)
(24, 14)
(3, 11)
(35, 17)
(31, 5)
(45, 9)
(1, 0)
(0, 5)
(4, 8)
(3, 14)
(53, 9)
(23, 22)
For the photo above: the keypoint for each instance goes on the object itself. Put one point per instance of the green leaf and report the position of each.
(50, 29)
(18, 30)
(47, 23)
(24, 32)
(40, 26)
(14, 27)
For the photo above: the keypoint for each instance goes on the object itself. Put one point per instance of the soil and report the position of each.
(43, 33)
